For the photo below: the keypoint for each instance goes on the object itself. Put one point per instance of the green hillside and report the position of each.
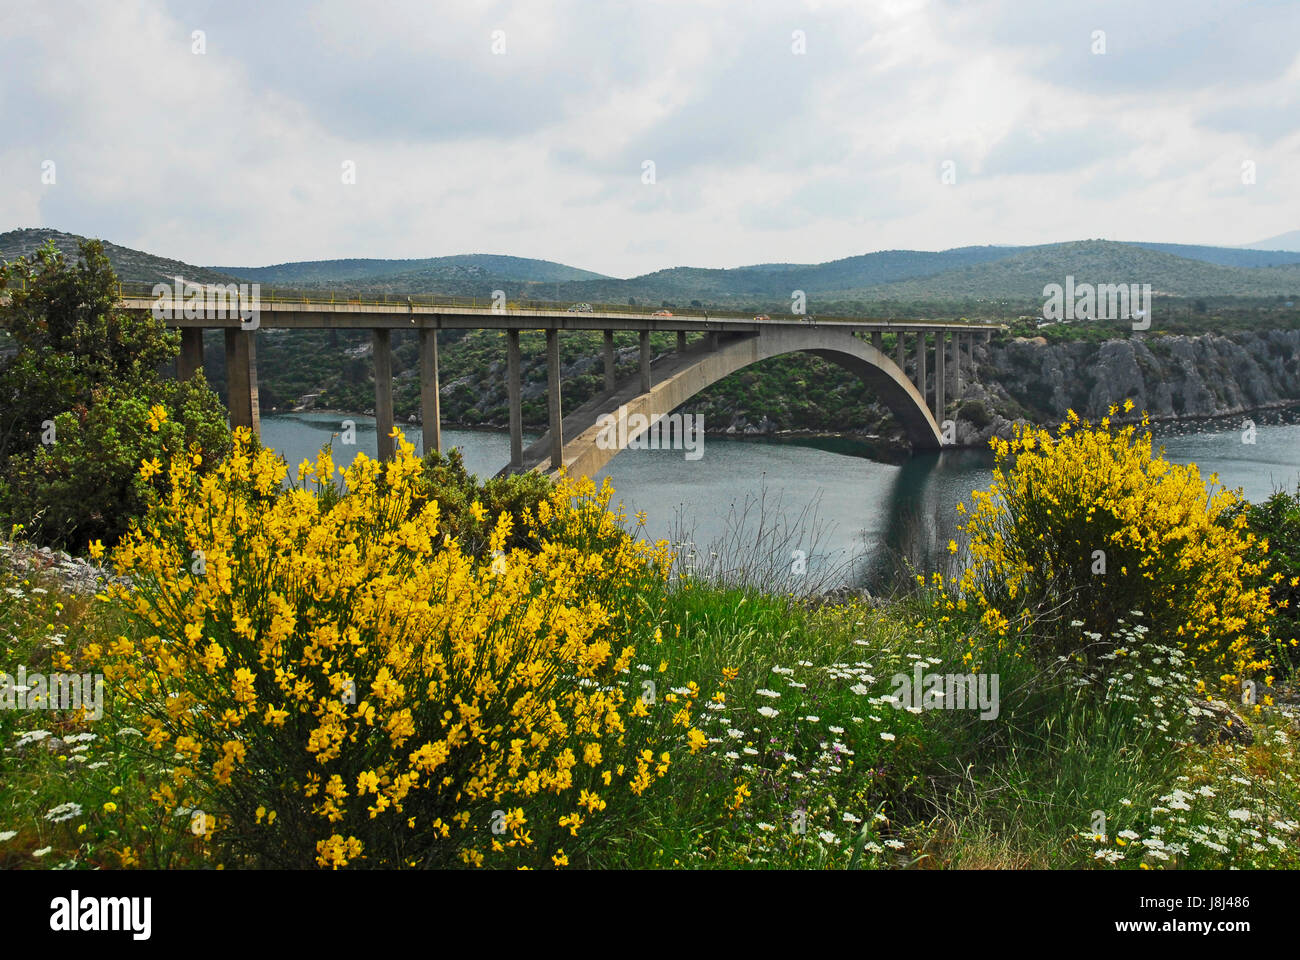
(1025, 274)
(451, 269)
(132, 265)
(895, 282)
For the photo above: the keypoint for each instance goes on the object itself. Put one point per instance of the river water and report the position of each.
(857, 520)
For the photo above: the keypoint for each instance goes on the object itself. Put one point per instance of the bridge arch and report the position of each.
(688, 374)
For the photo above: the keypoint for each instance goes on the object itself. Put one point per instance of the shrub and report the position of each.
(456, 490)
(976, 413)
(1276, 522)
(1089, 524)
(88, 484)
(91, 371)
(340, 682)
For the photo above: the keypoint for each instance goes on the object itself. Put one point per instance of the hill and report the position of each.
(939, 280)
(131, 265)
(1283, 241)
(312, 272)
(1023, 275)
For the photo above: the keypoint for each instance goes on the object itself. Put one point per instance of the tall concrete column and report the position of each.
(940, 375)
(711, 338)
(553, 397)
(900, 355)
(190, 359)
(241, 380)
(430, 400)
(956, 365)
(645, 361)
(609, 361)
(514, 399)
(681, 341)
(921, 346)
(382, 342)
(878, 340)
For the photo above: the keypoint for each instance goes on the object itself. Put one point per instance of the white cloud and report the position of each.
(234, 157)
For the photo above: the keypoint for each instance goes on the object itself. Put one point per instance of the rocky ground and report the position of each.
(72, 574)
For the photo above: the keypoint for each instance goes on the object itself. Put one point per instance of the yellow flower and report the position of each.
(157, 416)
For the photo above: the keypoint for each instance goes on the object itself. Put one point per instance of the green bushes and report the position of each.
(84, 414)
(457, 491)
(1277, 521)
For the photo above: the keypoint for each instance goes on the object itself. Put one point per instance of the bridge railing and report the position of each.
(293, 295)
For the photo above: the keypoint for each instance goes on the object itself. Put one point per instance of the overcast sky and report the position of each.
(236, 156)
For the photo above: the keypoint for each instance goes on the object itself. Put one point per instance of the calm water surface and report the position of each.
(850, 513)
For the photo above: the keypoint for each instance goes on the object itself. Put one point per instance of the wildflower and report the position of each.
(64, 811)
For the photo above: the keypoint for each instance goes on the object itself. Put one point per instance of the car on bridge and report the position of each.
(761, 317)
(580, 308)
(662, 313)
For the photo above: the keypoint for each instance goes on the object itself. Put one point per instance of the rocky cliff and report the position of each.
(1172, 377)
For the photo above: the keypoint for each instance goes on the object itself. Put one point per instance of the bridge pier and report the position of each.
(514, 399)
(645, 361)
(382, 342)
(190, 359)
(900, 347)
(956, 365)
(553, 397)
(940, 376)
(922, 344)
(681, 341)
(430, 401)
(878, 340)
(609, 361)
(241, 380)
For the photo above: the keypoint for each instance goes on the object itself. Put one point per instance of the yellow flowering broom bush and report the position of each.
(1088, 524)
(338, 683)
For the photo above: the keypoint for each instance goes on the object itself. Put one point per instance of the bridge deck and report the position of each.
(343, 315)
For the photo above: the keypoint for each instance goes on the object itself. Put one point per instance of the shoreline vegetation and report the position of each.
(415, 668)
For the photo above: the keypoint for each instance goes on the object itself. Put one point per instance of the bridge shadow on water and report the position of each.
(920, 508)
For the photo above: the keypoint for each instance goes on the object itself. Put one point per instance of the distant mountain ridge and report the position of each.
(961, 273)
(335, 271)
(1283, 241)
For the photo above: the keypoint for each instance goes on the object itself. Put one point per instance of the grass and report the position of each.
(808, 764)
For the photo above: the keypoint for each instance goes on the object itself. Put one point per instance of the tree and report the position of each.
(82, 403)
